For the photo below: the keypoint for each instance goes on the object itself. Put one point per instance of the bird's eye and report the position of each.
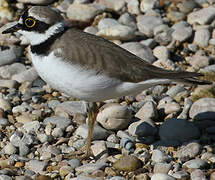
(29, 22)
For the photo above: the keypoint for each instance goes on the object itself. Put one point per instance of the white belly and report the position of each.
(81, 83)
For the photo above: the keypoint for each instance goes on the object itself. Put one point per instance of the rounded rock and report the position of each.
(161, 176)
(114, 116)
(181, 130)
(128, 163)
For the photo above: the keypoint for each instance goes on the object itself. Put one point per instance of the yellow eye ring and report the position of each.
(30, 22)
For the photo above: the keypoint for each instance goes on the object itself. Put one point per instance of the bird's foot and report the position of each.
(82, 154)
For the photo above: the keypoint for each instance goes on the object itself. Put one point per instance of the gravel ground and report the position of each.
(164, 133)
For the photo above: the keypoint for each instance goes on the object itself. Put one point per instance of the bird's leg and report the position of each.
(92, 113)
(84, 152)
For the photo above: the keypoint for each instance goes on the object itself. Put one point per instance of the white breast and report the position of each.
(84, 84)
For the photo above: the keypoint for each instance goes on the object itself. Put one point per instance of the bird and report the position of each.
(87, 66)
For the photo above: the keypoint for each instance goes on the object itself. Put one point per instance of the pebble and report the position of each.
(128, 20)
(99, 133)
(28, 75)
(189, 151)
(147, 111)
(9, 149)
(142, 128)
(161, 52)
(117, 32)
(36, 166)
(159, 156)
(112, 4)
(37, 2)
(31, 126)
(202, 16)
(5, 105)
(146, 24)
(168, 107)
(114, 117)
(10, 55)
(181, 175)
(199, 61)
(59, 122)
(197, 174)
(195, 164)
(202, 37)
(7, 71)
(8, 83)
(64, 170)
(5, 177)
(162, 168)
(99, 149)
(91, 167)
(203, 109)
(161, 176)
(182, 31)
(173, 91)
(117, 178)
(181, 130)
(128, 163)
(57, 132)
(133, 6)
(84, 12)
(146, 5)
(139, 50)
(187, 6)
(74, 163)
(4, 122)
(82, 178)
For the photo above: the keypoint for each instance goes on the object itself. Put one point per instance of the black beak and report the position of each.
(12, 29)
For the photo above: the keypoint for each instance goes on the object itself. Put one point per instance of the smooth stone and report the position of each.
(23, 150)
(165, 64)
(99, 133)
(169, 107)
(128, 20)
(146, 5)
(181, 175)
(74, 163)
(5, 105)
(182, 31)
(202, 37)
(161, 176)
(164, 37)
(10, 55)
(15, 139)
(114, 116)
(202, 16)
(127, 144)
(99, 149)
(36, 165)
(9, 149)
(203, 109)
(73, 107)
(82, 178)
(107, 23)
(142, 128)
(175, 16)
(133, 6)
(198, 174)
(8, 83)
(4, 122)
(187, 6)
(128, 163)
(117, 178)
(30, 127)
(162, 168)
(9, 70)
(64, 170)
(57, 132)
(113, 138)
(84, 12)
(117, 32)
(112, 4)
(195, 164)
(181, 130)
(173, 91)
(60, 122)
(161, 52)
(199, 61)
(5, 177)
(37, 2)
(189, 151)
(147, 111)
(159, 156)
(146, 24)
(149, 43)
(28, 75)
(91, 167)
(139, 50)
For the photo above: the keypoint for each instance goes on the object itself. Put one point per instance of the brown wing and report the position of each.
(96, 53)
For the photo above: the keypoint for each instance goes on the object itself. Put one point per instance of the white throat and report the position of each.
(36, 38)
